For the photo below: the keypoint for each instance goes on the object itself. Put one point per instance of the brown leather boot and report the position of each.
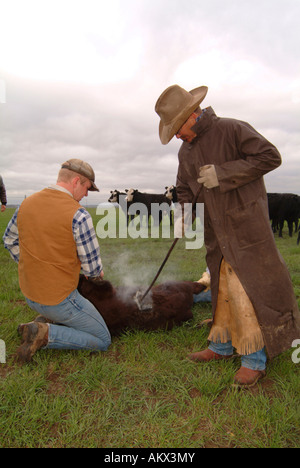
(247, 377)
(207, 355)
(34, 337)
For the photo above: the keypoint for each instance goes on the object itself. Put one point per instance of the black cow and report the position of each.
(284, 207)
(151, 202)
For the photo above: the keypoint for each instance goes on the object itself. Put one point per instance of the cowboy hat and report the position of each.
(174, 106)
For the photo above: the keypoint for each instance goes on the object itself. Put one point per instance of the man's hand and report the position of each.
(96, 278)
(208, 176)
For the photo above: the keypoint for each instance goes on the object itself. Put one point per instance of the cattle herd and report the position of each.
(283, 207)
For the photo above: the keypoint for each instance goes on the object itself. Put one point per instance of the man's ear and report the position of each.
(75, 181)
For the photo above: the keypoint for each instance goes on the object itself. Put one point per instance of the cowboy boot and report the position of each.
(34, 337)
(207, 355)
(247, 377)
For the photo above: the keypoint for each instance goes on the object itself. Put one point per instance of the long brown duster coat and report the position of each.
(237, 225)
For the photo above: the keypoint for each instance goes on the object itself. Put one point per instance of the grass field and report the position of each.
(142, 392)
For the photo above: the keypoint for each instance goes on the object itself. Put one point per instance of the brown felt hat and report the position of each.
(174, 106)
(83, 168)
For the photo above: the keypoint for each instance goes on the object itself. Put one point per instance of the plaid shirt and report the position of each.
(88, 250)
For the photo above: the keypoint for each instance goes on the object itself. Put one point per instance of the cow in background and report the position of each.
(171, 193)
(284, 207)
(154, 204)
(115, 198)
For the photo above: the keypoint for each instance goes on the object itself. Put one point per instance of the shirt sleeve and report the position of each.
(88, 249)
(11, 238)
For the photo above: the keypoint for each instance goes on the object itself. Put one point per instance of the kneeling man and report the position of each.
(52, 239)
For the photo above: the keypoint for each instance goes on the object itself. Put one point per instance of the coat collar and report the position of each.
(204, 122)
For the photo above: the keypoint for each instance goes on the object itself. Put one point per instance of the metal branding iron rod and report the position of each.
(139, 301)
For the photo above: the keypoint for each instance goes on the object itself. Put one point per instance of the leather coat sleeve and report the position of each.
(257, 157)
(184, 192)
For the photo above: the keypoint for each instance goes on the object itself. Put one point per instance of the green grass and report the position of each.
(142, 392)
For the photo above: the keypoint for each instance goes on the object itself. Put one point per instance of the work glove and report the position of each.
(205, 280)
(208, 176)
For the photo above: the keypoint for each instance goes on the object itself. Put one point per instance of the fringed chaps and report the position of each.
(235, 319)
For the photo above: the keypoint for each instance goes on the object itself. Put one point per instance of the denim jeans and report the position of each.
(204, 296)
(78, 324)
(254, 361)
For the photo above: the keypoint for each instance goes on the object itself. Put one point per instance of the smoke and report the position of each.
(131, 274)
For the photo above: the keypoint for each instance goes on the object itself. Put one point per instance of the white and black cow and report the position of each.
(115, 198)
(171, 193)
(154, 204)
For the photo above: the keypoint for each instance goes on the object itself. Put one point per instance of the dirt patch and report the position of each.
(194, 393)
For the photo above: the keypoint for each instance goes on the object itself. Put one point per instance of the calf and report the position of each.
(172, 304)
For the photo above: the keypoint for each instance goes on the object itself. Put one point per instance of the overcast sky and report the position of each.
(80, 79)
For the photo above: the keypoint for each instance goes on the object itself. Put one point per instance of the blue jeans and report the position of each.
(204, 296)
(254, 361)
(78, 324)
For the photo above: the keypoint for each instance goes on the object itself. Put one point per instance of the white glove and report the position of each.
(208, 176)
(205, 279)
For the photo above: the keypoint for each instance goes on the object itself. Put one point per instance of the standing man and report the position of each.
(254, 305)
(3, 198)
(52, 238)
